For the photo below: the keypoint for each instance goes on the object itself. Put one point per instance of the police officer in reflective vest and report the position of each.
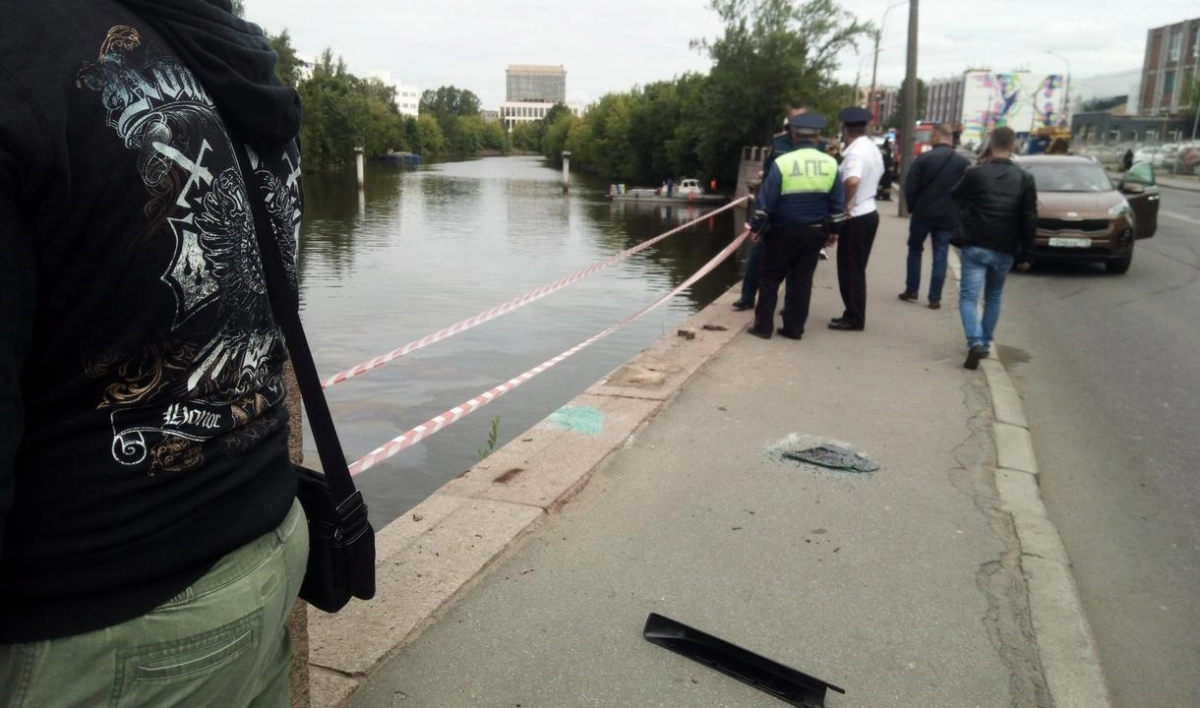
(802, 201)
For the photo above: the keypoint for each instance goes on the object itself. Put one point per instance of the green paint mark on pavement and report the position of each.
(579, 419)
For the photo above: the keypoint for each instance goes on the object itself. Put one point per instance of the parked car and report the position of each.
(1083, 215)
(1189, 160)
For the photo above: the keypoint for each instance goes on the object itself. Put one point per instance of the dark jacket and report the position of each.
(997, 206)
(927, 187)
(143, 434)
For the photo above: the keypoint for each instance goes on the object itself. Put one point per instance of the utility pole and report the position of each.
(909, 119)
(874, 74)
(875, 70)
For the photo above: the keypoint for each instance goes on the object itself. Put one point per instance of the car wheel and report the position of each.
(1120, 267)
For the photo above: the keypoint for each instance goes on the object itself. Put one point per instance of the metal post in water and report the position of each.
(358, 160)
(566, 180)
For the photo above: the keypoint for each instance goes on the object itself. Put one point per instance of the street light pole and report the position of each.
(909, 119)
(1066, 86)
(875, 68)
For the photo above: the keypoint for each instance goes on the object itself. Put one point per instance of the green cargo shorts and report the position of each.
(221, 642)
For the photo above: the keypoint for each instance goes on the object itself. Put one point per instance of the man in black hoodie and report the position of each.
(998, 208)
(150, 542)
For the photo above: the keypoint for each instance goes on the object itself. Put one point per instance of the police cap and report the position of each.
(855, 115)
(807, 123)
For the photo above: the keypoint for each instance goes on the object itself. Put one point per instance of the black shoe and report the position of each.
(845, 326)
(756, 333)
(973, 357)
(742, 305)
(909, 296)
(836, 320)
(788, 333)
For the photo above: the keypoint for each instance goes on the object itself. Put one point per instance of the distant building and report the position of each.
(408, 98)
(1170, 68)
(1107, 89)
(526, 83)
(886, 98)
(944, 100)
(513, 112)
(489, 116)
(531, 91)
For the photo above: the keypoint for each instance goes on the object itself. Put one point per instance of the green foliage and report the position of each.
(343, 111)
(449, 101)
(493, 436)
(289, 65)
(896, 120)
(772, 53)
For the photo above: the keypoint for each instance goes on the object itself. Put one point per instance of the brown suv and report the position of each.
(1083, 216)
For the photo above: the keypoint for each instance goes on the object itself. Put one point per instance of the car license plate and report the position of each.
(1071, 242)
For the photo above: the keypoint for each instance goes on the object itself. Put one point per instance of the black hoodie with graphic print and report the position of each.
(142, 429)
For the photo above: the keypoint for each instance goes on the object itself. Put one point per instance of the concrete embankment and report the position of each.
(935, 581)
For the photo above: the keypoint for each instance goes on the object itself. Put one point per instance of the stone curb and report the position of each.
(1066, 647)
(427, 558)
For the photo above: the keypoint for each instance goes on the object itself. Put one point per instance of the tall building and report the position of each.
(527, 83)
(1169, 70)
(531, 91)
(943, 100)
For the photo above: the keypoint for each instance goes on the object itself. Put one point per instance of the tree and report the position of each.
(335, 114)
(771, 53)
(289, 65)
(239, 8)
(449, 101)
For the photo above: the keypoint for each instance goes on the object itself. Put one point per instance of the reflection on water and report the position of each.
(421, 249)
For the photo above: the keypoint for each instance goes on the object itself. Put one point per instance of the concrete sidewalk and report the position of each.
(906, 587)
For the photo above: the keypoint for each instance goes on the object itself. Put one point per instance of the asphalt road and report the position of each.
(1109, 369)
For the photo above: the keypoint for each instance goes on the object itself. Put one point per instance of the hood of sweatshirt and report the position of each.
(235, 63)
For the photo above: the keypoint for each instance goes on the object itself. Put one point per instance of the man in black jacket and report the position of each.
(998, 207)
(927, 192)
(151, 544)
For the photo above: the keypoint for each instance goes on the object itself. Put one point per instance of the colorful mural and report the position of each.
(1023, 101)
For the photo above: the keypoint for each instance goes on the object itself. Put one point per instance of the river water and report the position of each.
(422, 248)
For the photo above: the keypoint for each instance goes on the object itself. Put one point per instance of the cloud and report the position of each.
(613, 45)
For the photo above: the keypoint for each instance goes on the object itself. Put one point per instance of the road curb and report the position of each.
(427, 558)
(1066, 647)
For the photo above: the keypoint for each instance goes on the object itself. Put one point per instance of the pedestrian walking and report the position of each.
(800, 200)
(151, 544)
(861, 170)
(998, 209)
(934, 215)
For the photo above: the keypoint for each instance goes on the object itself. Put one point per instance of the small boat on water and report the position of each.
(688, 191)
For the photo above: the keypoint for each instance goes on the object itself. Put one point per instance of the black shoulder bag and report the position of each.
(341, 542)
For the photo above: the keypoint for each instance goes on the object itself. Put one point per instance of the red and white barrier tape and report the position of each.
(511, 304)
(429, 427)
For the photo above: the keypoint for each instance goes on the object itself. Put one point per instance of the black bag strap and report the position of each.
(285, 304)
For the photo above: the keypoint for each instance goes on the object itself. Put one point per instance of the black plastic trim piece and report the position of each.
(783, 682)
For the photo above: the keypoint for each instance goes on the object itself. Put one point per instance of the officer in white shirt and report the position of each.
(861, 170)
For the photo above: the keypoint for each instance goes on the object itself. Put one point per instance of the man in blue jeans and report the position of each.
(998, 208)
(927, 192)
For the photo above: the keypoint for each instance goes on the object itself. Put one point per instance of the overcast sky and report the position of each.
(613, 45)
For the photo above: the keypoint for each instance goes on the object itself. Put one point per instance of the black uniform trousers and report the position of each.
(791, 253)
(853, 252)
